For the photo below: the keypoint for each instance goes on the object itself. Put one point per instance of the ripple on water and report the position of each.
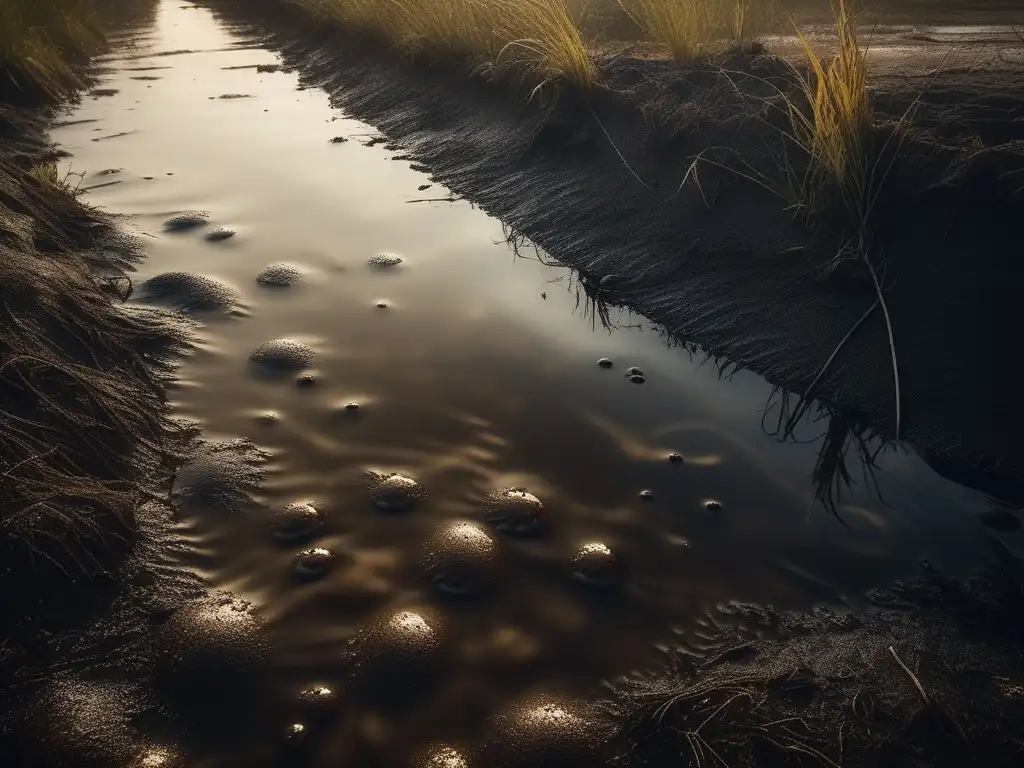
(395, 658)
(282, 356)
(462, 559)
(396, 492)
(514, 511)
(189, 292)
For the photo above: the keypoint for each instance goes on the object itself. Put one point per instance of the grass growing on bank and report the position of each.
(836, 127)
(695, 29)
(39, 39)
(541, 36)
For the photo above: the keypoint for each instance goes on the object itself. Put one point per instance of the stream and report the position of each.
(595, 518)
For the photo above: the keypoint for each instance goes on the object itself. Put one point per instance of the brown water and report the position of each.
(479, 374)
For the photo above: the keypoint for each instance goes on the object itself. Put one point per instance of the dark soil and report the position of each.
(597, 180)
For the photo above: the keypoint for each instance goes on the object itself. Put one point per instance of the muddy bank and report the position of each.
(598, 181)
(87, 449)
(931, 678)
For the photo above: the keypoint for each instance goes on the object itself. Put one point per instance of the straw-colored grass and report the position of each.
(695, 29)
(541, 36)
(38, 40)
(545, 36)
(836, 126)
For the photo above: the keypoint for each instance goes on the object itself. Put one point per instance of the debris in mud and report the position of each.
(230, 96)
(146, 77)
(279, 275)
(189, 292)
(339, 140)
(282, 355)
(268, 68)
(424, 187)
(385, 261)
(183, 222)
(102, 92)
(420, 167)
(514, 511)
(305, 380)
(219, 234)
(395, 492)
(114, 135)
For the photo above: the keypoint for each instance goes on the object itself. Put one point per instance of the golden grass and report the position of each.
(39, 39)
(695, 29)
(545, 36)
(542, 36)
(836, 127)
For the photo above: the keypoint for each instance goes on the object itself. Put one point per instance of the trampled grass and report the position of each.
(38, 39)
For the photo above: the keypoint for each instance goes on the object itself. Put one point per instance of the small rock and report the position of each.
(712, 505)
(604, 362)
(636, 378)
(296, 734)
(595, 565)
(634, 371)
(353, 406)
(647, 495)
(306, 380)
(339, 140)
(219, 234)
(186, 221)
(675, 458)
(314, 563)
(385, 261)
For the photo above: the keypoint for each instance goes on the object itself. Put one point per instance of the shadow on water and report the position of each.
(849, 446)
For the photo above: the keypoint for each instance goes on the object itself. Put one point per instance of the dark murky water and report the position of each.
(475, 371)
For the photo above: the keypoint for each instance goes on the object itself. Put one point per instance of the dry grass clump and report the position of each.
(541, 36)
(38, 40)
(82, 413)
(695, 29)
(836, 127)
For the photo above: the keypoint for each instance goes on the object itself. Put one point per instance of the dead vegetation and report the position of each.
(83, 427)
